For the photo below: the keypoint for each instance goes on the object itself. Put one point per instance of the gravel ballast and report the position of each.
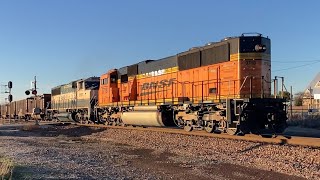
(291, 160)
(69, 152)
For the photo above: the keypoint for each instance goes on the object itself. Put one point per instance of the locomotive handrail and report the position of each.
(245, 79)
(250, 33)
(92, 100)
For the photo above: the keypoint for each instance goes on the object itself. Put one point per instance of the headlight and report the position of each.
(260, 48)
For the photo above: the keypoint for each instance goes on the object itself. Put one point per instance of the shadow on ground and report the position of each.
(48, 131)
(304, 132)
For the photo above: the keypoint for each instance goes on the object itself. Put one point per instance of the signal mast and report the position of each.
(33, 91)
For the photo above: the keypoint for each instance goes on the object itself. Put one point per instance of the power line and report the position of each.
(295, 67)
(295, 61)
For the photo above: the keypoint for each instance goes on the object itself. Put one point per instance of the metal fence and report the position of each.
(308, 118)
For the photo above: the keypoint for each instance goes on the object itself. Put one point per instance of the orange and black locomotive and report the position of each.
(219, 87)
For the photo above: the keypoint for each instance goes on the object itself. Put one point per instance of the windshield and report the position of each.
(92, 85)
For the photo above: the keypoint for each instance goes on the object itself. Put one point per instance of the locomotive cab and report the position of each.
(254, 66)
(109, 91)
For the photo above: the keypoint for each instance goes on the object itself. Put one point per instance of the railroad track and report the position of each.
(281, 139)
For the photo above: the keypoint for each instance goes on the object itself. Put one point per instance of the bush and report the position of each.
(310, 121)
(6, 167)
(298, 101)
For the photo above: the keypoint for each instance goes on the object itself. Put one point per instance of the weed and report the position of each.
(311, 121)
(6, 168)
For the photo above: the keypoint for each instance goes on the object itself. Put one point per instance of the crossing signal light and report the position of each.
(10, 98)
(27, 93)
(10, 84)
(34, 92)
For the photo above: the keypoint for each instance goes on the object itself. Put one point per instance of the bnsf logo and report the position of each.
(158, 84)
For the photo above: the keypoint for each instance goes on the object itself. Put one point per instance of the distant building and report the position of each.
(311, 97)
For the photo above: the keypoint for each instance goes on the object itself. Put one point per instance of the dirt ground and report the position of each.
(61, 153)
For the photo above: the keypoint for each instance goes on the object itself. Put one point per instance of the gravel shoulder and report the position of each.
(70, 152)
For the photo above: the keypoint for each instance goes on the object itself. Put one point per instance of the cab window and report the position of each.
(113, 78)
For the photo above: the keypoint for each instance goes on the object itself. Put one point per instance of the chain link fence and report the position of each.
(304, 117)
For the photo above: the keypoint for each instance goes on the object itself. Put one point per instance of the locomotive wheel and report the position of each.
(120, 123)
(188, 126)
(231, 131)
(116, 122)
(109, 121)
(77, 118)
(223, 125)
(113, 122)
(210, 127)
(179, 122)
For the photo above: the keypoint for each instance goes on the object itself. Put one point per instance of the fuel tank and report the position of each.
(146, 108)
(148, 116)
(64, 117)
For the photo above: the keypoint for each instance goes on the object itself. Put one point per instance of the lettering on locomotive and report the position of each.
(156, 85)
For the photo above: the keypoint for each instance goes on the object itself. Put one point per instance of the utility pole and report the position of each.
(34, 92)
(282, 85)
(275, 89)
(310, 90)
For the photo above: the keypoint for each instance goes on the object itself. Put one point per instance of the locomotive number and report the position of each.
(251, 62)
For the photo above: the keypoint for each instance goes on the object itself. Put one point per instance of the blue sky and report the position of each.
(60, 41)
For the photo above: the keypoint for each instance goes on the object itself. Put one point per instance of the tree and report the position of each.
(286, 95)
(298, 99)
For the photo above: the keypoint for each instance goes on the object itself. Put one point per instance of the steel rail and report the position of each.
(279, 140)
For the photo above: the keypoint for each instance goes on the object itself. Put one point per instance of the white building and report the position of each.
(312, 93)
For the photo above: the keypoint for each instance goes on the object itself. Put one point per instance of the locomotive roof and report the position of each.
(221, 42)
(93, 78)
(197, 48)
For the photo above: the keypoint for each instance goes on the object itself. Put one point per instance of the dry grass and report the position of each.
(6, 167)
(306, 121)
